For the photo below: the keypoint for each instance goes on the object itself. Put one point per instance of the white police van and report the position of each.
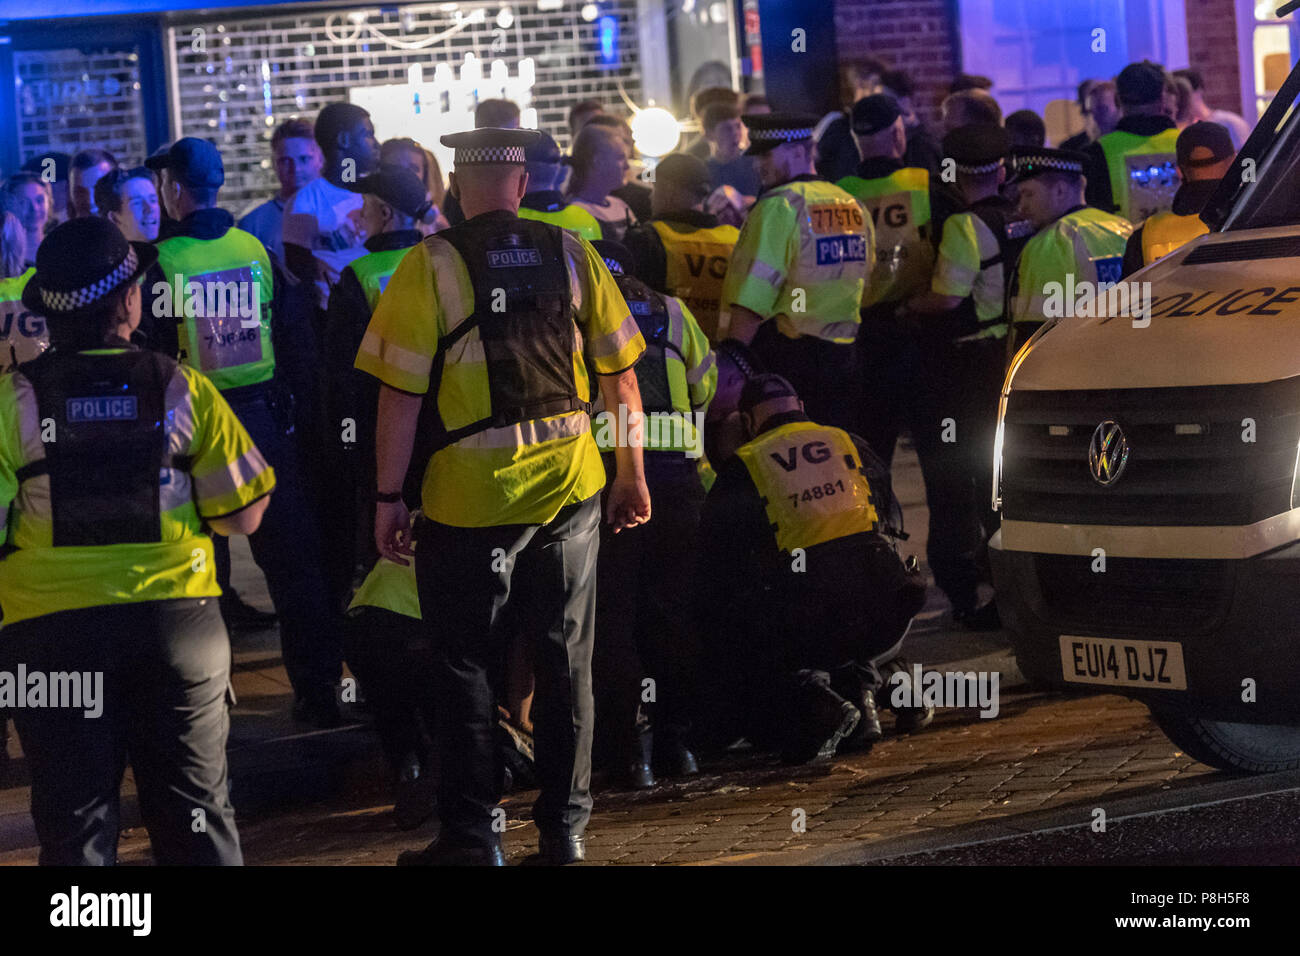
(1148, 479)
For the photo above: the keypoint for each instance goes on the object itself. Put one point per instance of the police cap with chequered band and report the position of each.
(977, 148)
(490, 146)
(80, 263)
(1029, 163)
(767, 131)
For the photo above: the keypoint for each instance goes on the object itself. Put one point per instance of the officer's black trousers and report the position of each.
(166, 677)
(645, 624)
(392, 657)
(286, 547)
(546, 574)
(825, 375)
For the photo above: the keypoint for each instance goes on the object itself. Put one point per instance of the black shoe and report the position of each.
(561, 850)
(849, 718)
(983, 618)
(868, 732)
(639, 775)
(673, 758)
(416, 795)
(319, 708)
(439, 853)
(242, 618)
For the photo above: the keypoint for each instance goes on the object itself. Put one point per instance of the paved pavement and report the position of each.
(322, 797)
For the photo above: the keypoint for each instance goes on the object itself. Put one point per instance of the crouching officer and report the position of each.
(645, 575)
(204, 261)
(805, 595)
(961, 327)
(499, 317)
(1074, 243)
(112, 462)
(801, 262)
(1205, 155)
(395, 200)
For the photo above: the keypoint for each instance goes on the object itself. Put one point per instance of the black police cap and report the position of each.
(873, 113)
(767, 131)
(977, 148)
(397, 186)
(490, 146)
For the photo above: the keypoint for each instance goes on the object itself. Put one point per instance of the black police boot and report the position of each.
(317, 705)
(561, 849)
(672, 757)
(639, 775)
(416, 794)
(868, 731)
(241, 617)
(908, 717)
(828, 719)
(441, 853)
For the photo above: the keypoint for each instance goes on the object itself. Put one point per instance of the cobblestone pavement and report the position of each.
(322, 797)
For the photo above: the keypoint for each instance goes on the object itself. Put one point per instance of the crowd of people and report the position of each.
(421, 389)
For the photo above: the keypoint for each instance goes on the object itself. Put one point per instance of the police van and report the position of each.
(1147, 473)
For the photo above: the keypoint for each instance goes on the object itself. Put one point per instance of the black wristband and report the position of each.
(388, 498)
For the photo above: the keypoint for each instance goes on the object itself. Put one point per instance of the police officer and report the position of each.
(897, 199)
(1205, 155)
(796, 277)
(683, 251)
(490, 315)
(213, 291)
(1074, 243)
(805, 596)
(114, 463)
(645, 575)
(395, 201)
(961, 322)
(544, 201)
(1131, 169)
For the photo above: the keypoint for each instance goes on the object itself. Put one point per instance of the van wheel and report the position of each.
(1243, 748)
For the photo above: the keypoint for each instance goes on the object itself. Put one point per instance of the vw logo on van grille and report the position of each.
(1107, 453)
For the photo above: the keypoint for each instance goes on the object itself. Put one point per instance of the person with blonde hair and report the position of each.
(600, 163)
(22, 335)
(13, 247)
(30, 198)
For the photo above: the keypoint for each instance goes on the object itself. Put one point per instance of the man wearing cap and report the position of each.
(797, 275)
(961, 325)
(321, 231)
(1075, 243)
(501, 318)
(214, 305)
(645, 575)
(683, 251)
(1131, 169)
(804, 596)
(1205, 155)
(394, 201)
(544, 202)
(114, 463)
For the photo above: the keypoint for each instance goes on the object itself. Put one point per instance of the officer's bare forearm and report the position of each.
(744, 323)
(616, 390)
(395, 436)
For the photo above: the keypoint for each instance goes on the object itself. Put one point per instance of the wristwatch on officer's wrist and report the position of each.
(388, 497)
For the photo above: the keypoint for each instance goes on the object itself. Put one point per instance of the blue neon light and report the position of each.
(607, 31)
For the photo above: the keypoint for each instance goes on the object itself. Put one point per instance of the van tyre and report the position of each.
(1241, 748)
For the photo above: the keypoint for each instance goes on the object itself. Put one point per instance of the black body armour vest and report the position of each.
(523, 311)
(650, 310)
(109, 444)
(1011, 231)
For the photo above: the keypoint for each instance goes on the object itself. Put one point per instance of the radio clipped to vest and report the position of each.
(650, 311)
(109, 448)
(523, 312)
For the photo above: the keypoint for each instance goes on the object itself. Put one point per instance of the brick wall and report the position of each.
(1212, 49)
(919, 36)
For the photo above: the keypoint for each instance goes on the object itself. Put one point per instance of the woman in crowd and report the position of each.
(407, 152)
(29, 197)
